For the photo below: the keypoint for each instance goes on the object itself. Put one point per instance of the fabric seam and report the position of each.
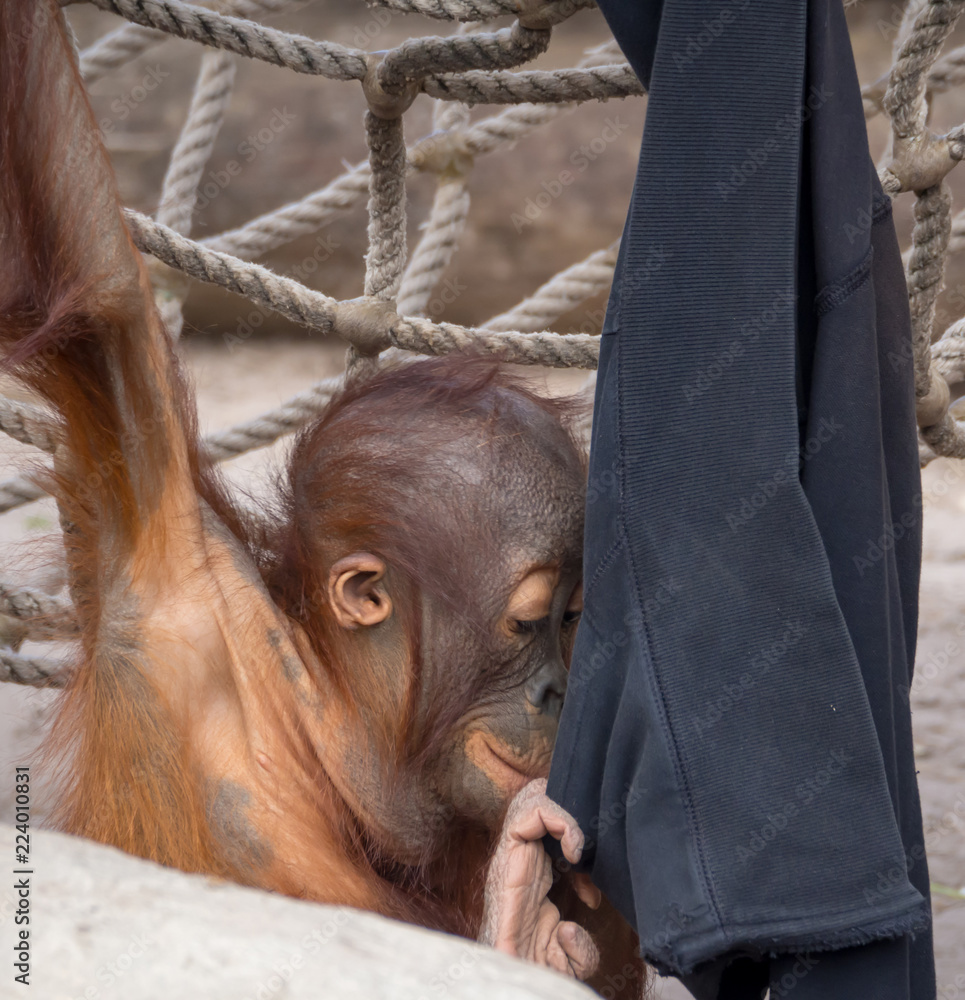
(833, 295)
(605, 563)
(663, 714)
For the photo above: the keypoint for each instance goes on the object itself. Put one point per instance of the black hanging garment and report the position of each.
(735, 741)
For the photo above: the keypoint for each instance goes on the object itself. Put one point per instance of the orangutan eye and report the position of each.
(570, 618)
(529, 627)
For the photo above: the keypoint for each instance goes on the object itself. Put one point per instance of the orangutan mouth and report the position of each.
(502, 770)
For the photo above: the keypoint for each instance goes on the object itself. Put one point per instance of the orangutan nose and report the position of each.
(545, 689)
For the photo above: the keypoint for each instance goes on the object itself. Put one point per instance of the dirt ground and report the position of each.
(498, 264)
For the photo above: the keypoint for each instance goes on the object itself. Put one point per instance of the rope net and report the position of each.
(475, 64)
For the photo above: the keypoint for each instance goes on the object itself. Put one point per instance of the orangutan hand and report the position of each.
(518, 919)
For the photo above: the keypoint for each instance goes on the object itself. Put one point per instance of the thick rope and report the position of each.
(179, 190)
(117, 49)
(447, 218)
(209, 103)
(31, 671)
(450, 209)
(245, 38)
(126, 43)
(920, 161)
(924, 275)
(948, 354)
(283, 295)
(297, 218)
(386, 256)
(263, 431)
(385, 259)
(904, 99)
(17, 492)
(540, 86)
(473, 10)
(46, 617)
(563, 292)
(359, 321)
(419, 58)
(567, 290)
(28, 424)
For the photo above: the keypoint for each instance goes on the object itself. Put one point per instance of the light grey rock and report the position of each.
(106, 925)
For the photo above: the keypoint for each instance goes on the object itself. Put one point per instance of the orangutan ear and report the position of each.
(356, 591)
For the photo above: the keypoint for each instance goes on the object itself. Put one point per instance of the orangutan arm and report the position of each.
(78, 323)
(78, 327)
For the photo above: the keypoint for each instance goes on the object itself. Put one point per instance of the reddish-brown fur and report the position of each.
(73, 301)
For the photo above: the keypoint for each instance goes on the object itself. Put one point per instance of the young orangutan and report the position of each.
(341, 705)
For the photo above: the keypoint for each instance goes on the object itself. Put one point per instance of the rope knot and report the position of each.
(366, 323)
(445, 153)
(921, 161)
(383, 103)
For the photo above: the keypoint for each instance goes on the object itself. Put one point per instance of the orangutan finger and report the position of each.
(582, 954)
(543, 816)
